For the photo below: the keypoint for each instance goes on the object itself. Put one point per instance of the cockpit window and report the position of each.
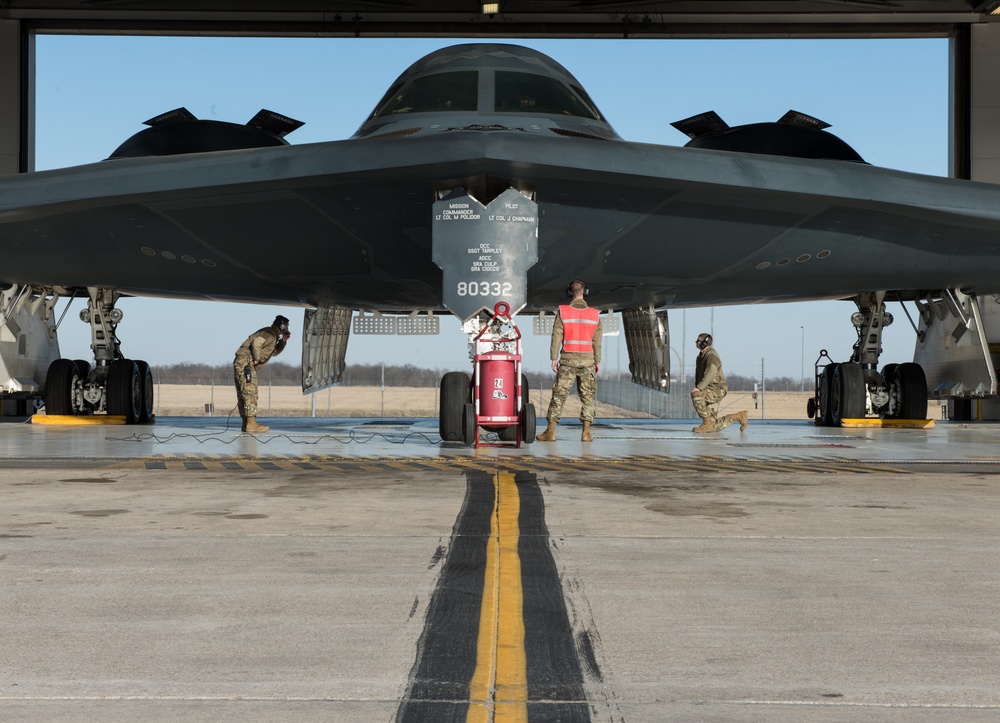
(529, 93)
(456, 91)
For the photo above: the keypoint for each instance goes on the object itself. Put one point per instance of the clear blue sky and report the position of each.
(886, 98)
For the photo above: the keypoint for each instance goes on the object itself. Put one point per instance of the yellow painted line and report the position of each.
(889, 423)
(499, 688)
(76, 420)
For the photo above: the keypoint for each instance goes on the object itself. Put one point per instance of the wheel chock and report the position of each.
(888, 423)
(76, 420)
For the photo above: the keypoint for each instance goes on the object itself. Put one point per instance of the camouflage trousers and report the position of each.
(586, 387)
(246, 391)
(706, 404)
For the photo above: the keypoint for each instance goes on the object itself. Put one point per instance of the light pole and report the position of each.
(802, 366)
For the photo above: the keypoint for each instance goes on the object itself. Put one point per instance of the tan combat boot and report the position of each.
(253, 428)
(549, 435)
(743, 419)
(586, 435)
(704, 428)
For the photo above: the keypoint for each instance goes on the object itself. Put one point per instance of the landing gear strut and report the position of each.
(856, 389)
(121, 387)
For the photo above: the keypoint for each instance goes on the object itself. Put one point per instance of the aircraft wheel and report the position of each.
(908, 393)
(811, 408)
(61, 383)
(124, 390)
(528, 424)
(82, 366)
(455, 388)
(847, 393)
(146, 391)
(470, 430)
(890, 409)
(825, 382)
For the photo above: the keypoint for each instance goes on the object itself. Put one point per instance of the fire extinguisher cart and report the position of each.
(499, 391)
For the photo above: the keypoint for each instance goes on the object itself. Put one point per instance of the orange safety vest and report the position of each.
(579, 326)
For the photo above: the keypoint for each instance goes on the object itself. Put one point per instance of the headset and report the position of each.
(705, 342)
(569, 289)
(281, 322)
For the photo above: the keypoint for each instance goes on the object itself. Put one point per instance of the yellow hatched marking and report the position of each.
(714, 465)
(499, 689)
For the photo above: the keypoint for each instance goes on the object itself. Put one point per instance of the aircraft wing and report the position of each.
(349, 222)
(754, 213)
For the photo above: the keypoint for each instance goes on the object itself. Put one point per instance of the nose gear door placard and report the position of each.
(484, 251)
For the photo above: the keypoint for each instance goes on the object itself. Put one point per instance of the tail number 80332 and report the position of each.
(483, 288)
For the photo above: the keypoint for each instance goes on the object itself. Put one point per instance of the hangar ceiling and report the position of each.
(513, 18)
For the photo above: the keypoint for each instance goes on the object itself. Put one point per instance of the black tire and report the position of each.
(124, 391)
(847, 393)
(146, 391)
(891, 408)
(825, 385)
(60, 386)
(910, 386)
(888, 372)
(455, 387)
(83, 367)
(528, 424)
(470, 430)
(811, 407)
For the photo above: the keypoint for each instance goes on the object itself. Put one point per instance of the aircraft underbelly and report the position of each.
(350, 223)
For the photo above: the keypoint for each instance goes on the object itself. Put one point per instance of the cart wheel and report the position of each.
(454, 395)
(528, 424)
(470, 429)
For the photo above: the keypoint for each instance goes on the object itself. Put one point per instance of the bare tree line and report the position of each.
(282, 374)
(406, 375)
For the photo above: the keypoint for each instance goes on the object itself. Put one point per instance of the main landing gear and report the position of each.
(856, 389)
(115, 385)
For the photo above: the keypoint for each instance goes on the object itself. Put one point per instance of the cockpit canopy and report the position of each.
(486, 81)
(513, 92)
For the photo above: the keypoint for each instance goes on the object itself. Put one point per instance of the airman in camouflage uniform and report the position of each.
(576, 327)
(709, 389)
(255, 352)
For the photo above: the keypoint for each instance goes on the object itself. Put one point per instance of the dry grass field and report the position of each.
(188, 401)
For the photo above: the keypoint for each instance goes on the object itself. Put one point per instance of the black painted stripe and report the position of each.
(446, 653)
(554, 670)
(446, 657)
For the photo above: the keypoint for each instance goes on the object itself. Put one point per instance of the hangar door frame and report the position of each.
(974, 82)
